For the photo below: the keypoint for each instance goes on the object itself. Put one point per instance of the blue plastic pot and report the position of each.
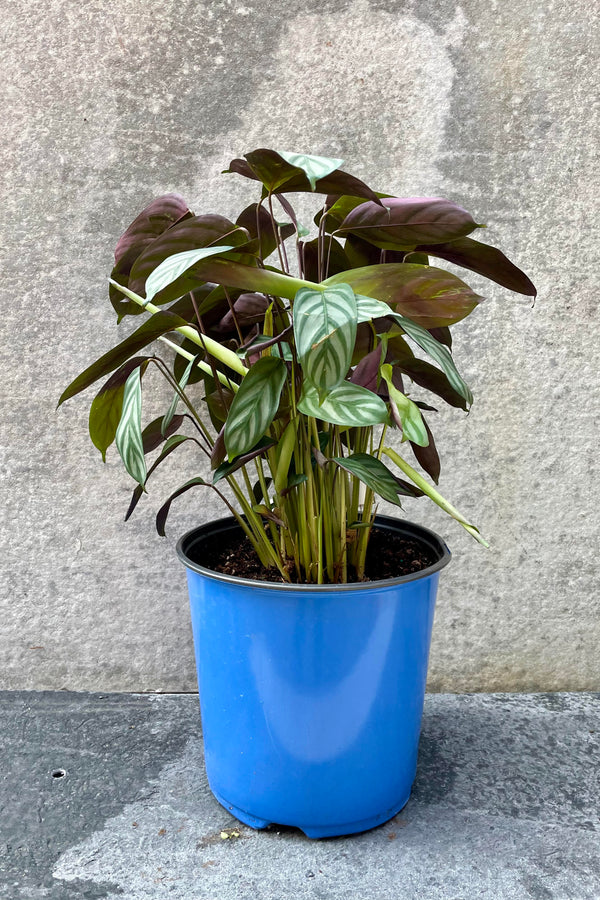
(311, 696)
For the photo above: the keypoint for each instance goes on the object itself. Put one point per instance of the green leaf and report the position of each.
(129, 432)
(325, 331)
(372, 472)
(367, 308)
(180, 363)
(422, 372)
(293, 480)
(348, 404)
(107, 405)
(174, 266)
(405, 413)
(254, 406)
(429, 296)
(157, 325)
(433, 494)
(235, 274)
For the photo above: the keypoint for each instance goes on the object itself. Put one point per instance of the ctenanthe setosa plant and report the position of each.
(303, 365)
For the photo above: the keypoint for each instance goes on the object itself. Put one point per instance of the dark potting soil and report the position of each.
(389, 556)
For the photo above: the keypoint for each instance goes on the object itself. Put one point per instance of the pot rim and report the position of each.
(426, 535)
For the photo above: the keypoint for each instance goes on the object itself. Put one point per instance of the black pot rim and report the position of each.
(401, 526)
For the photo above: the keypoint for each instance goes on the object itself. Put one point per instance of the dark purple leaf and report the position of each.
(257, 490)
(219, 453)
(428, 457)
(333, 257)
(170, 445)
(248, 308)
(162, 514)
(288, 209)
(259, 342)
(429, 296)
(218, 402)
(151, 222)
(367, 371)
(404, 223)
(337, 207)
(279, 176)
(430, 377)
(484, 260)
(135, 499)
(152, 436)
(214, 304)
(425, 406)
(257, 222)
(364, 342)
(423, 373)
(160, 215)
(443, 335)
(407, 489)
(228, 468)
(190, 234)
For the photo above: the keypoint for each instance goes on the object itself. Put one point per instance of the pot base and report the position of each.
(314, 831)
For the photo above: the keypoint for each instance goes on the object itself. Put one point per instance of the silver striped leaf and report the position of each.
(368, 308)
(128, 438)
(347, 404)
(254, 406)
(173, 266)
(325, 332)
(314, 167)
(436, 351)
(372, 472)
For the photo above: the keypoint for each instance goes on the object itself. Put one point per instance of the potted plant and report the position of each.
(312, 616)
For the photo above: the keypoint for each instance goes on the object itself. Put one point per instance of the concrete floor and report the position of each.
(104, 796)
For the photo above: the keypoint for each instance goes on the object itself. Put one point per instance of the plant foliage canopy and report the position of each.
(293, 358)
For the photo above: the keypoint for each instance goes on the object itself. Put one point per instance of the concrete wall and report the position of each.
(106, 105)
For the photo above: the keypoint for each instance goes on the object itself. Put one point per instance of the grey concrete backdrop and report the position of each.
(107, 105)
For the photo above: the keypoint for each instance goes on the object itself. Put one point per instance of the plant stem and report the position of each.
(223, 354)
(201, 365)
